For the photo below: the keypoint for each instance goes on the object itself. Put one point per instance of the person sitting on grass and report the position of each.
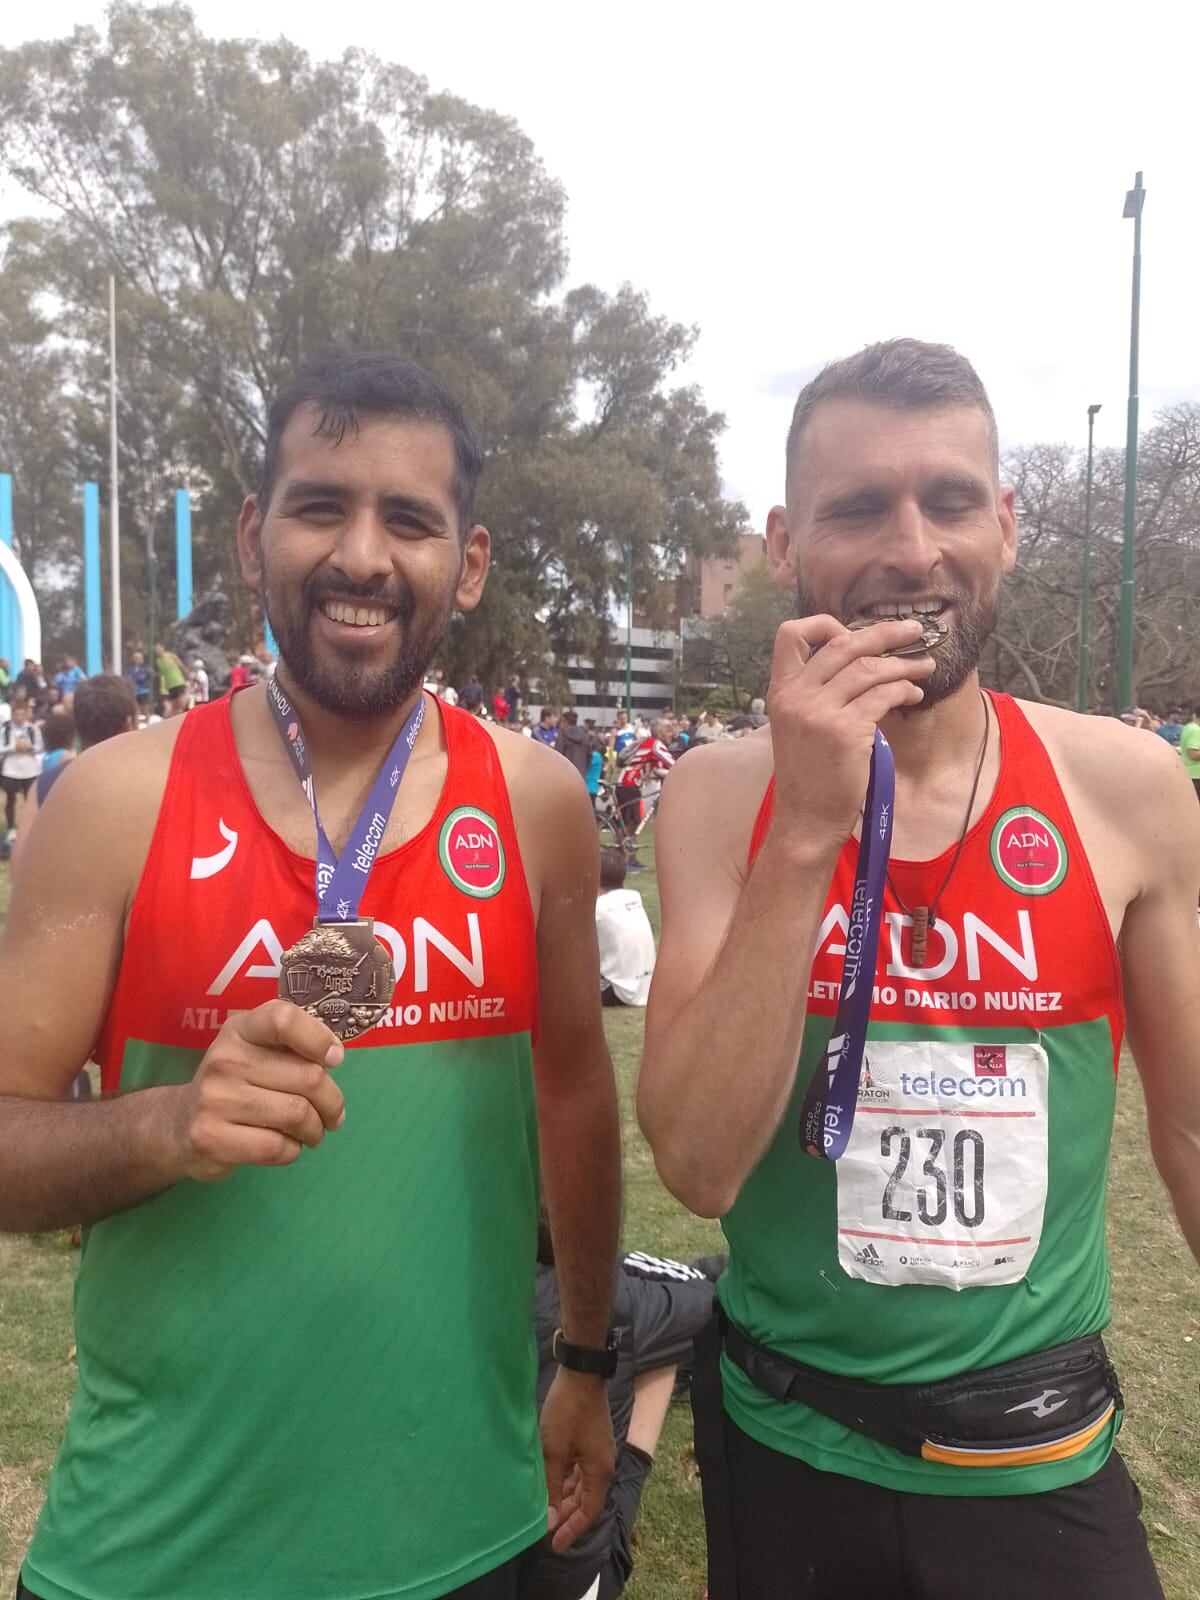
(658, 1308)
(624, 934)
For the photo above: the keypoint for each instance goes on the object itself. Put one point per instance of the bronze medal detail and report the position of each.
(340, 973)
(934, 636)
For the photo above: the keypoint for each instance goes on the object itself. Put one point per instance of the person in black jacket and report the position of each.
(574, 742)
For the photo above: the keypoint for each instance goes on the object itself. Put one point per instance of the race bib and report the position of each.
(944, 1178)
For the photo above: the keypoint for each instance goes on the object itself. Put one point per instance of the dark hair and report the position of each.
(104, 706)
(612, 867)
(570, 718)
(58, 731)
(905, 373)
(344, 385)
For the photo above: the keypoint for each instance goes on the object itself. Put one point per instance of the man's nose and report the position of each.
(363, 553)
(909, 541)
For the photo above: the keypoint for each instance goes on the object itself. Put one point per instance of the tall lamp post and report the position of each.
(629, 631)
(1134, 201)
(1085, 580)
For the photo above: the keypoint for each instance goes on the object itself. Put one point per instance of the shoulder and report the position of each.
(539, 779)
(1112, 761)
(724, 781)
(1128, 792)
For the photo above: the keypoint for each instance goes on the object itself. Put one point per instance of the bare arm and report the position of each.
(252, 1100)
(728, 1000)
(1160, 948)
(578, 1127)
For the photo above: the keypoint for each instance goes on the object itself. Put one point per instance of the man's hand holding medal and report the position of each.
(262, 1093)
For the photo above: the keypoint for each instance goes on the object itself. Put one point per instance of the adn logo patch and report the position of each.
(471, 852)
(1028, 851)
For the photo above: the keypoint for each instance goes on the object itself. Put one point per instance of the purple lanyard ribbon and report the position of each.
(828, 1113)
(342, 880)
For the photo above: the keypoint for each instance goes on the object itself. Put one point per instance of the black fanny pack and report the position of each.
(1044, 1407)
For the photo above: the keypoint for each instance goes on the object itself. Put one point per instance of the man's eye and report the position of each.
(951, 508)
(318, 508)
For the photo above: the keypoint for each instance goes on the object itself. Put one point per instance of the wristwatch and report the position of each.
(583, 1358)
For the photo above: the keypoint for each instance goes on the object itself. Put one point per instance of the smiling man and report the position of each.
(913, 1397)
(304, 1313)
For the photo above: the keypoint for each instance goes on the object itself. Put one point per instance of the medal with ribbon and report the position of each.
(828, 1112)
(339, 971)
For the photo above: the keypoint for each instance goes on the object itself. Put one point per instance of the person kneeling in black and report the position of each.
(659, 1306)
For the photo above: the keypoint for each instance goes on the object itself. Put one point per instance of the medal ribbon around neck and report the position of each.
(342, 879)
(828, 1113)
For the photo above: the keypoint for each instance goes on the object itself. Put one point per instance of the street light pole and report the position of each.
(114, 496)
(1085, 580)
(629, 631)
(1134, 201)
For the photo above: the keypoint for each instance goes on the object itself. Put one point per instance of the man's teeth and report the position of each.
(901, 609)
(356, 616)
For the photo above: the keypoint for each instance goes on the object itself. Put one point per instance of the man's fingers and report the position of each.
(285, 1076)
(293, 1115)
(854, 644)
(579, 1510)
(862, 674)
(796, 641)
(222, 1146)
(279, 1025)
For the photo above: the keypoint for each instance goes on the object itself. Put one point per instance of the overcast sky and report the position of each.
(800, 180)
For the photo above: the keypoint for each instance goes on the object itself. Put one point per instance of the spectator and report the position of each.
(624, 935)
(5, 678)
(512, 694)
(547, 728)
(21, 748)
(595, 760)
(68, 678)
(198, 681)
(171, 680)
(1172, 726)
(659, 1306)
(241, 672)
(471, 694)
(104, 706)
(58, 736)
(1189, 750)
(33, 681)
(758, 712)
(574, 742)
(623, 734)
(500, 706)
(138, 675)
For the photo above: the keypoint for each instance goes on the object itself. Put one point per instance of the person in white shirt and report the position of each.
(624, 935)
(21, 750)
(199, 682)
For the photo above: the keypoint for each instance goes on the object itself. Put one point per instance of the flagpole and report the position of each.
(114, 513)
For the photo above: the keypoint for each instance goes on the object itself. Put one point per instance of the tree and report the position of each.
(256, 205)
(734, 651)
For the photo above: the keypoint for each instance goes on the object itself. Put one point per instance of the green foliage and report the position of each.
(732, 654)
(256, 205)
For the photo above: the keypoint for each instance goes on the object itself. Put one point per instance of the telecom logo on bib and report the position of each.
(471, 852)
(1028, 851)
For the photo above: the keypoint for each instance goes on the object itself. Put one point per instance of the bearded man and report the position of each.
(304, 1314)
(894, 1083)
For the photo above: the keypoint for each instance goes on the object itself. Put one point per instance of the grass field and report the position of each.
(1155, 1341)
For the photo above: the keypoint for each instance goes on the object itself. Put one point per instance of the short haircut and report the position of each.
(58, 730)
(342, 386)
(548, 712)
(570, 718)
(907, 374)
(612, 867)
(104, 706)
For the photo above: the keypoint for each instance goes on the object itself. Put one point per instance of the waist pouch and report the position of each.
(1044, 1407)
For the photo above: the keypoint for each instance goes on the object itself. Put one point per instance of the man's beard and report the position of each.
(347, 687)
(956, 658)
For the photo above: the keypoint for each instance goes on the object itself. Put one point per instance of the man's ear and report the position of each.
(476, 559)
(249, 542)
(781, 549)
